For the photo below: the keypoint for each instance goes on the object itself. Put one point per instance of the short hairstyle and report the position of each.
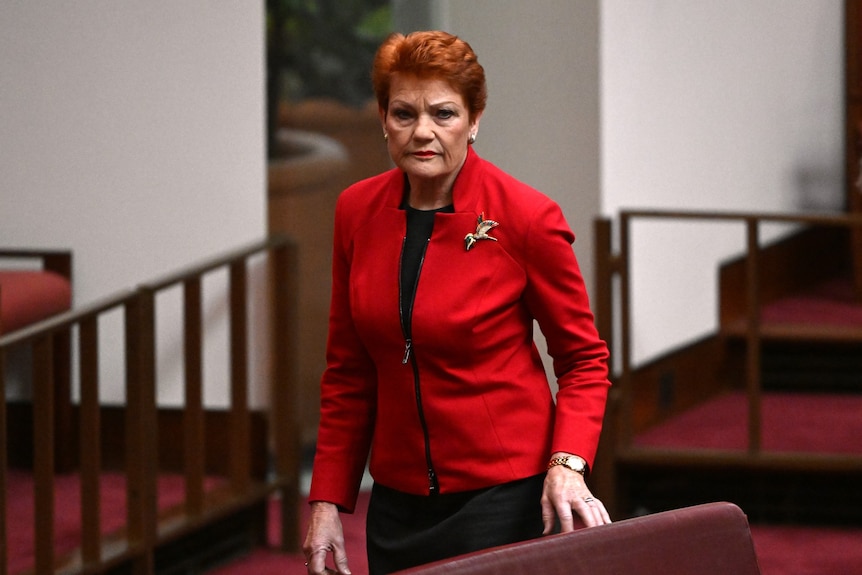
(431, 54)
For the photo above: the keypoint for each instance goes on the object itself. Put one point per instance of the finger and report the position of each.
(606, 517)
(548, 516)
(317, 562)
(340, 557)
(594, 512)
(585, 512)
(564, 512)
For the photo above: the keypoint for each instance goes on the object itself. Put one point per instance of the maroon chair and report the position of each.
(710, 539)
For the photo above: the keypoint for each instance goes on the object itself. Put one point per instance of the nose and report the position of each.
(424, 128)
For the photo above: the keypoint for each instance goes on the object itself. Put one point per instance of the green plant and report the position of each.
(322, 49)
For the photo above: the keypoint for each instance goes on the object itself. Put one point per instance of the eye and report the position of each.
(402, 114)
(445, 114)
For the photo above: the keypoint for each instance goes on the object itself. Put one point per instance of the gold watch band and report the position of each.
(573, 462)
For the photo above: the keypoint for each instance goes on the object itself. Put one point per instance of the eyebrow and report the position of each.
(452, 103)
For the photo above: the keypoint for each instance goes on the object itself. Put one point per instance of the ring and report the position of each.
(588, 499)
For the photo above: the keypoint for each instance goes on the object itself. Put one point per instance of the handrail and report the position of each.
(611, 264)
(774, 217)
(215, 262)
(143, 534)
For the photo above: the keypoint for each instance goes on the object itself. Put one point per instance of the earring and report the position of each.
(472, 138)
(385, 136)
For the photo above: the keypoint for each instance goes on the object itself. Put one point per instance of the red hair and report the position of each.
(430, 55)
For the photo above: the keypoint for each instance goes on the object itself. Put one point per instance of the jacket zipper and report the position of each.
(410, 356)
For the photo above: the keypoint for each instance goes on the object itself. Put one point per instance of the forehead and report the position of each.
(414, 90)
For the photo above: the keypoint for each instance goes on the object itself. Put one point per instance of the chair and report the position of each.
(709, 539)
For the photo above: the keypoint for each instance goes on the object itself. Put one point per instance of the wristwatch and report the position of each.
(573, 462)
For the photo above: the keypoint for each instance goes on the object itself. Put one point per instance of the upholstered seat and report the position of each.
(29, 296)
(710, 539)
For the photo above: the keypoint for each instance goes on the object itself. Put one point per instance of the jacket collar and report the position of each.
(464, 191)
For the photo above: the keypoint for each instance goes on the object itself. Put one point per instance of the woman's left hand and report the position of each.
(566, 493)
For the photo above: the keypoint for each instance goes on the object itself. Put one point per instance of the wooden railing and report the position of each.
(145, 531)
(614, 319)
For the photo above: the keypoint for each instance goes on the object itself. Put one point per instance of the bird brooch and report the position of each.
(483, 226)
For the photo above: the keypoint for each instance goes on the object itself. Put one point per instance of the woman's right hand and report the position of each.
(325, 535)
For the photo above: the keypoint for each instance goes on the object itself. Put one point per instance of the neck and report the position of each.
(429, 195)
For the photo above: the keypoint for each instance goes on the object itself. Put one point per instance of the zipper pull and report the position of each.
(433, 486)
(407, 347)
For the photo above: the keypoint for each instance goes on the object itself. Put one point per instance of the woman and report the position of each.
(440, 267)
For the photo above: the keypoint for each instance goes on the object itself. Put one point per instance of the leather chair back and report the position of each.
(710, 539)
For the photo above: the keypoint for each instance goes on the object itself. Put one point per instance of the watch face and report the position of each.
(575, 464)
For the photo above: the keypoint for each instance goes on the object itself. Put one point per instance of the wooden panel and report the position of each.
(681, 379)
(853, 122)
(853, 47)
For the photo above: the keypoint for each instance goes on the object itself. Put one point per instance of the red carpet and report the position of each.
(272, 562)
(67, 519)
(823, 423)
(808, 551)
(831, 303)
(781, 550)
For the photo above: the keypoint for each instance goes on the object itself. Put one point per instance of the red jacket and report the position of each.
(475, 406)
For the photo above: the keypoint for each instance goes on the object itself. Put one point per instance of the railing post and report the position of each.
(283, 412)
(753, 348)
(604, 280)
(141, 432)
(4, 533)
(625, 380)
(90, 449)
(43, 458)
(604, 476)
(194, 444)
(240, 463)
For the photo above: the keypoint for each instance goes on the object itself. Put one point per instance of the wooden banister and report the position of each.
(4, 534)
(144, 532)
(614, 267)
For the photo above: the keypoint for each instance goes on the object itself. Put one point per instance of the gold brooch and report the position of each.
(483, 226)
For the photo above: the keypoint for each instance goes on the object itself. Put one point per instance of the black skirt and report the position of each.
(405, 530)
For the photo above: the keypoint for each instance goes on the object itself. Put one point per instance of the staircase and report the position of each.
(781, 349)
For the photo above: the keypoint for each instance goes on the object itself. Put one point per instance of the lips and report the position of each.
(424, 154)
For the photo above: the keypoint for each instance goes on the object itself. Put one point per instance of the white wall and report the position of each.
(541, 59)
(132, 133)
(733, 105)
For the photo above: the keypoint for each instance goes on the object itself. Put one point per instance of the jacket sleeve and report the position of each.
(558, 300)
(347, 391)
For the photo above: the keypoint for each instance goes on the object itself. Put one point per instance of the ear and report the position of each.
(382, 113)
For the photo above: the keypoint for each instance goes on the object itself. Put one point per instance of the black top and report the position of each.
(420, 224)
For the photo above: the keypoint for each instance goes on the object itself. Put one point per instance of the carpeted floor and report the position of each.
(67, 519)
(820, 423)
(781, 550)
